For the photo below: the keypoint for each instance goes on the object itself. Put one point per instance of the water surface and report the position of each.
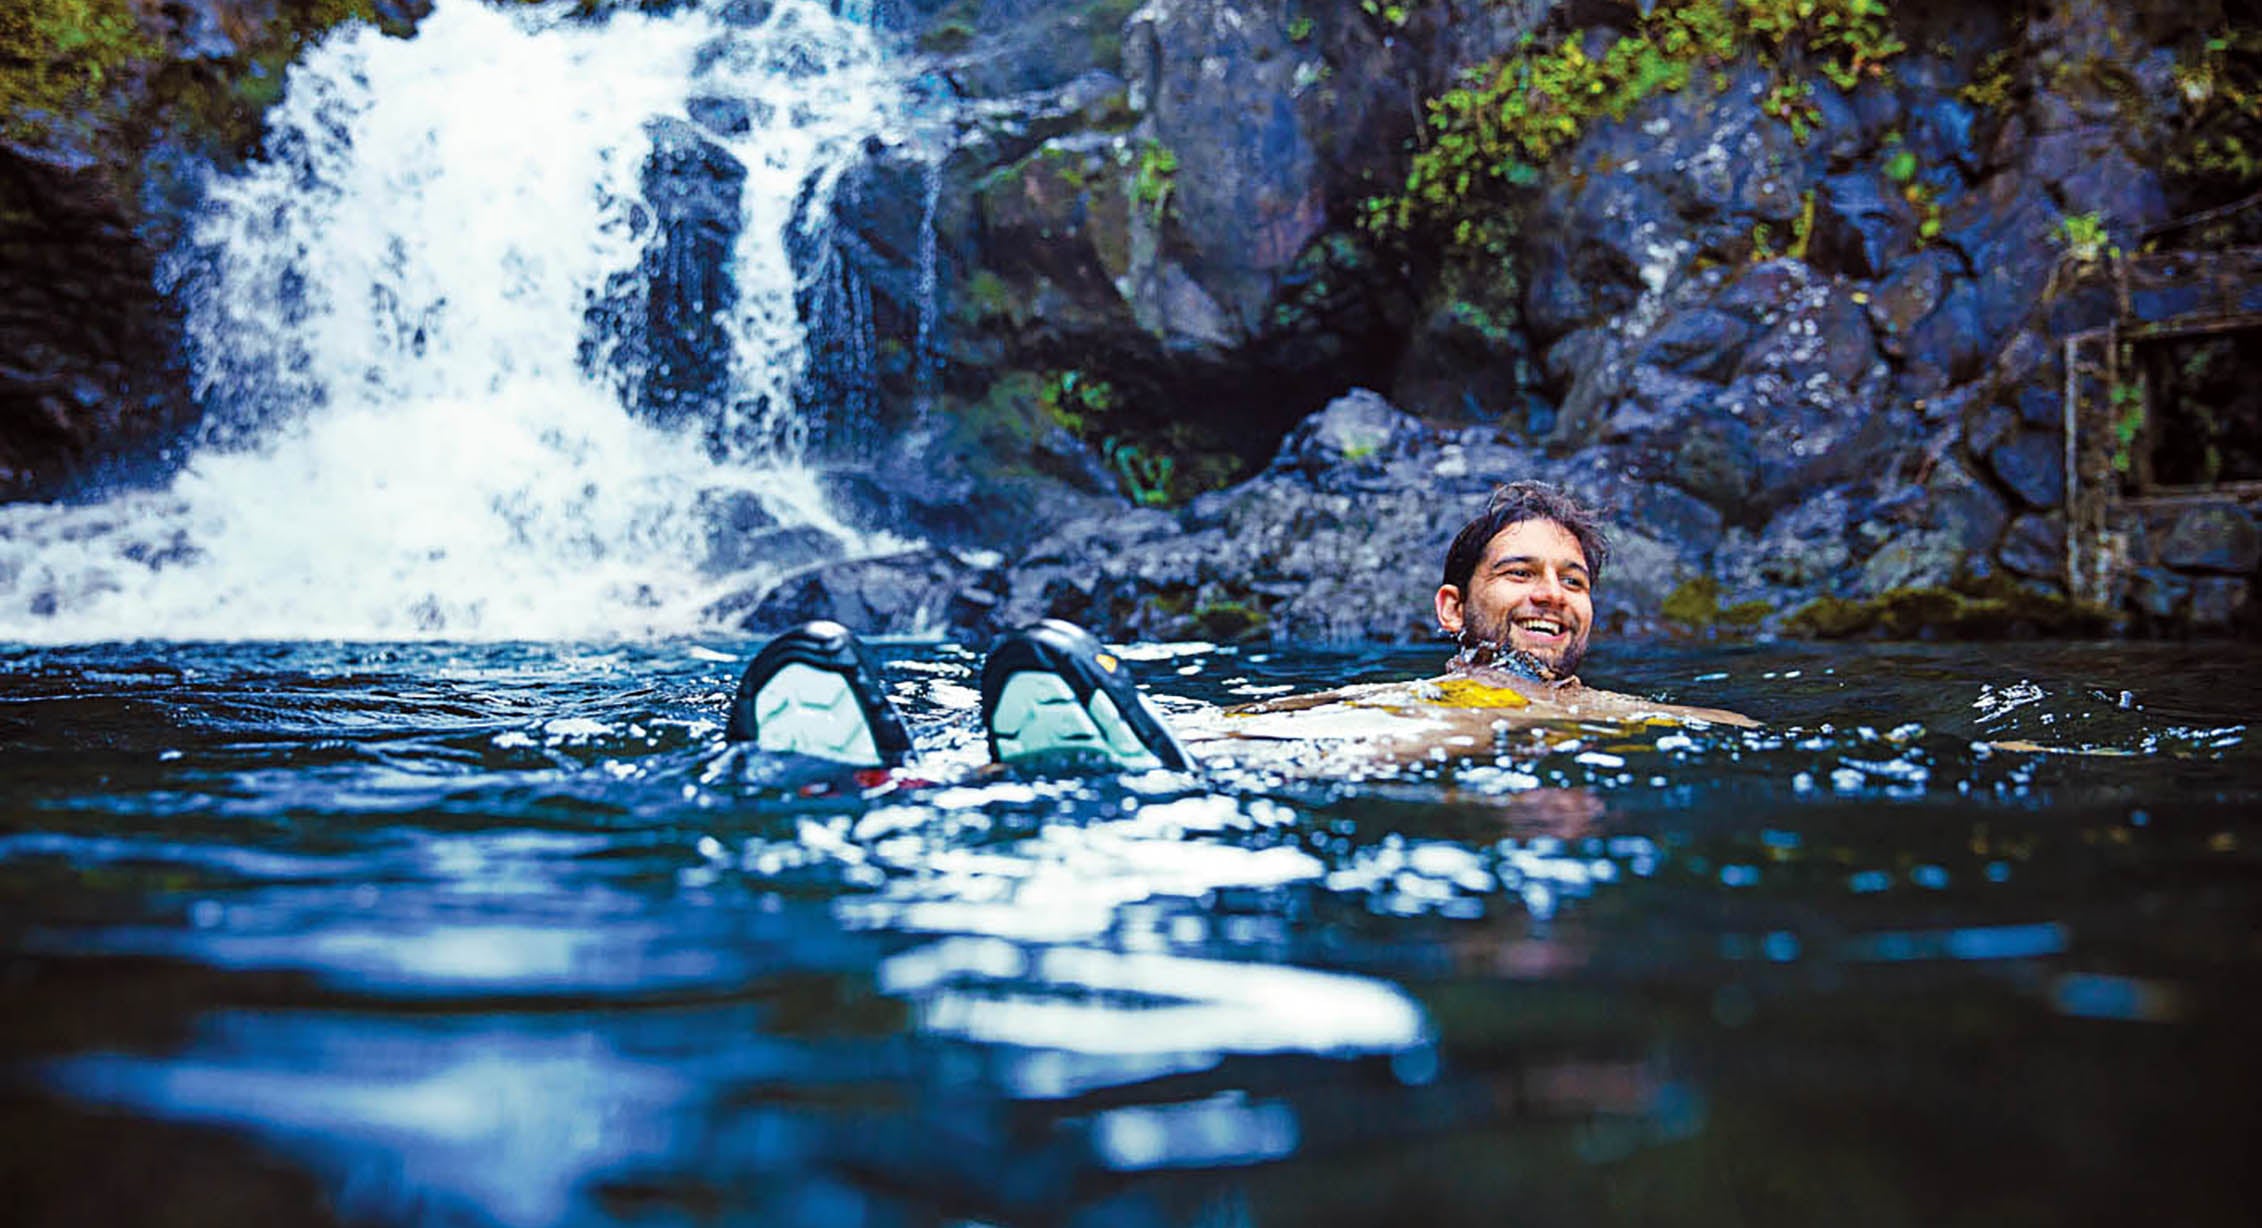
(454, 933)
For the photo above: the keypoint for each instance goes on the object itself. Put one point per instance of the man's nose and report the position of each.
(1549, 589)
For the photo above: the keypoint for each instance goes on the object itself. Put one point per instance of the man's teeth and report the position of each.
(1542, 626)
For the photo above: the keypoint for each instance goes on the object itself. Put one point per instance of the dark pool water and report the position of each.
(480, 934)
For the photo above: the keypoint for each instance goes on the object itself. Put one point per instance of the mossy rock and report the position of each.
(1694, 602)
(947, 37)
(1231, 621)
(1990, 610)
(1746, 615)
(1831, 618)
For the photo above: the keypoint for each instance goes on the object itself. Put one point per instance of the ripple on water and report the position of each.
(414, 930)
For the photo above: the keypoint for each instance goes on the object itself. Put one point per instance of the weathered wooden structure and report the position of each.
(2116, 514)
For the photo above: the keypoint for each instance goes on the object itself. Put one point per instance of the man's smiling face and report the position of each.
(1530, 592)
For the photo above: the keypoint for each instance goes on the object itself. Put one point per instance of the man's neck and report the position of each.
(1484, 655)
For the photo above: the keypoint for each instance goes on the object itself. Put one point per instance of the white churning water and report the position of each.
(390, 329)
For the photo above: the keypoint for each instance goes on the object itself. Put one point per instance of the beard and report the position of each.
(1489, 644)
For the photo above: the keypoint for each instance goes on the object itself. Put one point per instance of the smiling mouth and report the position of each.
(1544, 627)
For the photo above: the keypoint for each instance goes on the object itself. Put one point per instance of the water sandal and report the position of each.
(813, 691)
(1052, 696)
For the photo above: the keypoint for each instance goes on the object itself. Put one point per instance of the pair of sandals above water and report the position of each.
(1052, 698)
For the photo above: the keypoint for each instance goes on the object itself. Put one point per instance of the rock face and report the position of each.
(1807, 349)
(87, 368)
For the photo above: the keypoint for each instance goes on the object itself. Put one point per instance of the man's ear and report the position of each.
(1449, 608)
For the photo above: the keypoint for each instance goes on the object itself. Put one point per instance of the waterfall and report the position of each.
(498, 340)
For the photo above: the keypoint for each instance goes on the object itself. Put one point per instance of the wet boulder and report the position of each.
(1356, 433)
(917, 591)
(2213, 538)
(2035, 546)
(2220, 603)
(2033, 465)
(661, 330)
(1864, 226)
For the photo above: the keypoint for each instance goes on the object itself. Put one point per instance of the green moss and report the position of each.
(1910, 612)
(1064, 165)
(1490, 135)
(1694, 602)
(1154, 175)
(1075, 400)
(1747, 614)
(61, 56)
(1983, 610)
(1391, 13)
(947, 37)
(1793, 103)
(1990, 88)
(1230, 620)
(1831, 618)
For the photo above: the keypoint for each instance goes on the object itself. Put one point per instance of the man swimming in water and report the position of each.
(1518, 591)
(1517, 596)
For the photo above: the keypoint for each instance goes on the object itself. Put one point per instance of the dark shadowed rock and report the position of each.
(2159, 593)
(1801, 547)
(1963, 506)
(2218, 539)
(1358, 431)
(1703, 343)
(662, 329)
(1720, 465)
(787, 549)
(1910, 293)
(2220, 603)
(1863, 225)
(2033, 465)
(1951, 343)
(917, 591)
(2036, 546)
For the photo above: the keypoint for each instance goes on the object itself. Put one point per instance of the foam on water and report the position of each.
(410, 427)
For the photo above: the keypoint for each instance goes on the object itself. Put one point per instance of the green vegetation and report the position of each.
(1300, 28)
(87, 65)
(59, 56)
(1074, 400)
(1154, 174)
(1990, 88)
(2085, 238)
(1793, 103)
(2127, 405)
(2220, 136)
(1695, 603)
(1154, 467)
(1490, 135)
(1388, 12)
(1146, 476)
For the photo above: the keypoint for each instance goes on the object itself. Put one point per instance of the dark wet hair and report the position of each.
(1514, 504)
